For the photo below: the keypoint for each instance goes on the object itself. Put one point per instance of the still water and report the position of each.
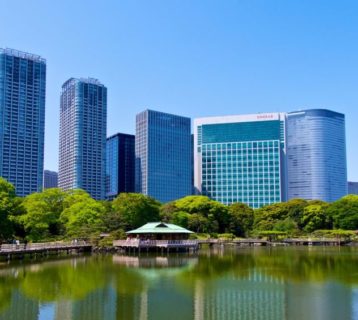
(251, 283)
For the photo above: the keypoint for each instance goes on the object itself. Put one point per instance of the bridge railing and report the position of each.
(42, 245)
(322, 239)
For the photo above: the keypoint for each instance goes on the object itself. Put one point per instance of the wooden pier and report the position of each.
(168, 245)
(241, 242)
(284, 242)
(317, 241)
(20, 250)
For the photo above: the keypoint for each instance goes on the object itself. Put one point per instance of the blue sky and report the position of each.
(194, 58)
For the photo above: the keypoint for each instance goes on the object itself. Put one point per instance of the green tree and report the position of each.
(200, 224)
(42, 213)
(285, 216)
(210, 215)
(74, 196)
(9, 206)
(167, 211)
(295, 209)
(344, 212)
(288, 226)
(110, 219)
(195, 204)
(267, 216)
(315, 217)
(181, 218)
(83, 218)
(241, 219)
(134, 209)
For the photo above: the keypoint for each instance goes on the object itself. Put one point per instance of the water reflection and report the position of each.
(252, 283)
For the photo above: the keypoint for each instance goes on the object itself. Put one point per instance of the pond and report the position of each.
(232, 283)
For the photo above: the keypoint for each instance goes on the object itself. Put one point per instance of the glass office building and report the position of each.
(22, 119)
(316, 155)
(163, 166)
(352, 187)
(50, 179)
(83, 125)
(119, 165)
(241, 158)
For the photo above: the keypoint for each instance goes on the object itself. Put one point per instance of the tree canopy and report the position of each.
(9, 206)
(133, 210)
(57, 214)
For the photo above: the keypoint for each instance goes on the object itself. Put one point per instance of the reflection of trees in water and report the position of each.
(297, 264)
(131, 276)
(316, 265)
(7, 286)
(50, 281)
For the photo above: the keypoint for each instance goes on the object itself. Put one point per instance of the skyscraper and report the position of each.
(316, 155)
(163, 155)
(119, 164)
(352, 187)
(241, 158)
(22, 119)
(83, 125)
(50, 179)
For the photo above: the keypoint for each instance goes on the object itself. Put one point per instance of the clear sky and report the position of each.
(194, 58)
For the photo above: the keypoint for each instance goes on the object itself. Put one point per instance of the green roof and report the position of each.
(159, 227)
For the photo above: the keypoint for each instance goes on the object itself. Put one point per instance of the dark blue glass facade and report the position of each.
(352, 187)
(163, 155)
(50, 179)
(316, 155)
(119, 164)
(22, 119)
(83, 125)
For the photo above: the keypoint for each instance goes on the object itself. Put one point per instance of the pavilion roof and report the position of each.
(159, 227)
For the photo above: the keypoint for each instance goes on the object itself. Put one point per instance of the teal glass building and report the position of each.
(119, 165)
(241, 158)
(163, 158)
(83, 126)
(22, 119)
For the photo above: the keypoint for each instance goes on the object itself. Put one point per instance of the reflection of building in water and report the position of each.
(328, 301)
(256, 297)
(166, 302)
(265, 297)
(100, 304)
(21, 308)
(355, 303)
(63, 310)
(130, 307)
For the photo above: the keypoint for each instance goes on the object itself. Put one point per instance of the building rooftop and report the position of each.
(22, 54)
(159, 227)
(119, 134)
(72, 81)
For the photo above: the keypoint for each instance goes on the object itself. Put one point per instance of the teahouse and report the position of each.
(160, 231)
(156, 235)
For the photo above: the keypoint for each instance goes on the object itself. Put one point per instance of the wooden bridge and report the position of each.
(241, 242)
(317, 241)
(10, 250)
(284, 242)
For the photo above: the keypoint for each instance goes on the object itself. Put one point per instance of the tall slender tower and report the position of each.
(163, 168)
(83, 126)
(22, 119)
